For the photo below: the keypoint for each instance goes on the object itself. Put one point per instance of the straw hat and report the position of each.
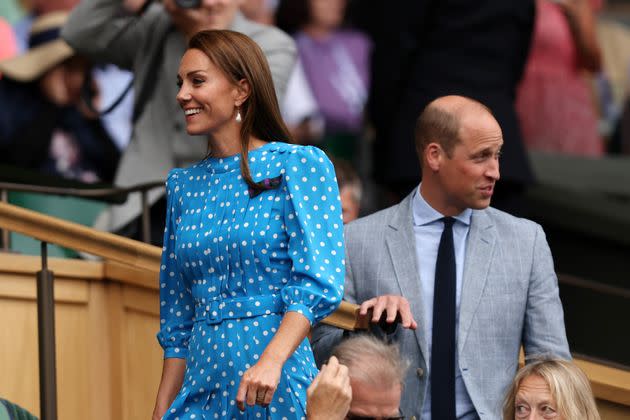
(46, 49)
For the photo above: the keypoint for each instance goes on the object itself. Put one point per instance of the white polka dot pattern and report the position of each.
(227, 255)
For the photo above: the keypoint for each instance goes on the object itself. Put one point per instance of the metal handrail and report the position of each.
(81, 192)
(89, 193)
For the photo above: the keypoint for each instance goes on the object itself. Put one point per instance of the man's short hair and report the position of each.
(437, 124)
(371, 360)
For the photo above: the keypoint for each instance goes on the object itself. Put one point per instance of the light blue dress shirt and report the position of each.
(427, 228)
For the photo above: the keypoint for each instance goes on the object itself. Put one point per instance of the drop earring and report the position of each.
(238, 115)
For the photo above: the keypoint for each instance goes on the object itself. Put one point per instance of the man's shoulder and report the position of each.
(373, 222)
(506, 223)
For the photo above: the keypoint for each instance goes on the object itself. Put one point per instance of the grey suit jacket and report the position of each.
(509, 298)
(159, 141)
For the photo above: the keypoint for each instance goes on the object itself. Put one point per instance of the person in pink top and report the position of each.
(8, 45)
(554, 102)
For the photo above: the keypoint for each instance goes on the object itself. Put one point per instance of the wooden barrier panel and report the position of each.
(108, 359)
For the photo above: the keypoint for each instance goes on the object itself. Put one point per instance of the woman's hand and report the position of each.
(259, 383)
(330, 394)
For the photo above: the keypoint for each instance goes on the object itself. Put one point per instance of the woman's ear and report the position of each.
(242, 93)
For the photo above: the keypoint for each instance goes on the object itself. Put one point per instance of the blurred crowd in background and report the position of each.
(554, 72)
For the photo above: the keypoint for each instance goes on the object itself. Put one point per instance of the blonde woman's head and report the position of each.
(550, 389)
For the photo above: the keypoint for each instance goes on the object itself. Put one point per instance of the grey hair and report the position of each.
(371, 360)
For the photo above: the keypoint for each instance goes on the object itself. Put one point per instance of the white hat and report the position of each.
(46, 49)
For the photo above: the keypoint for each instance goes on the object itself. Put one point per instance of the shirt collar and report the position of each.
(424, 214)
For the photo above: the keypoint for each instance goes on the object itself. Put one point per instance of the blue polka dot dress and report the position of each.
(234, 262)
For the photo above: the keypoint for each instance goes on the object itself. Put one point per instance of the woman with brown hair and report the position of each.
(253, 246)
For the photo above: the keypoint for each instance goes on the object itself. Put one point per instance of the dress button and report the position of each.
(420, 372)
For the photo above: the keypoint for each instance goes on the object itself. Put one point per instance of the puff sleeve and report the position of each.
(176, 304)
(314, 226)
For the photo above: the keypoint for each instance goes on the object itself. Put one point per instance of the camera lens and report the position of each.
(188, 4)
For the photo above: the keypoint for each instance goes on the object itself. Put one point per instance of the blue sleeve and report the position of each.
(314, 226)
(176, 304)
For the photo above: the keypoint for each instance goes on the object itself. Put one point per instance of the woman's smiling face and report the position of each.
(207, 97)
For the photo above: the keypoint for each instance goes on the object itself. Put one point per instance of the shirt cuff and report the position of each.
(302, 309)
(175, 353)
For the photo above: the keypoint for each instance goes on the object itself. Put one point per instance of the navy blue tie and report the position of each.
(443, 339)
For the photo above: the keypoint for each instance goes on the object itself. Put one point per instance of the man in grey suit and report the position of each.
(152, 45)
(501, 290)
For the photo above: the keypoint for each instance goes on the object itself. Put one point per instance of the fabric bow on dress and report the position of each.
(267, 184)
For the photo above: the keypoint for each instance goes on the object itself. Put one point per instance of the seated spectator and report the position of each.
(336, 64)
(550, 388)
(376, 372)
(44, 125)
(555, 105)
(350, 189)
(12, 411)
(329, 395)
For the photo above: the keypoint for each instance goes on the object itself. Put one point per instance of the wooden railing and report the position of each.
(71, 188)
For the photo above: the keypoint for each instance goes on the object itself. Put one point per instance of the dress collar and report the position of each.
(232, 163)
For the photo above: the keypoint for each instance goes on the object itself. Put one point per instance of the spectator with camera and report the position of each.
(151, 44)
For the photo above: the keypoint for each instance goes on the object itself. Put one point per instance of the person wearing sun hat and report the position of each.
(44, 125)
(45, 50)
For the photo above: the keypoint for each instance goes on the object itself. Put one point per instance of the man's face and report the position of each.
(467, 178)
(371, 401)
(211, 14)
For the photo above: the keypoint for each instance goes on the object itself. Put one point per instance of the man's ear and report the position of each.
(243, 92)
(433, 155)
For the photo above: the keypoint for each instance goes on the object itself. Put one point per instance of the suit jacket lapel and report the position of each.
(479, 251)
(400, 241)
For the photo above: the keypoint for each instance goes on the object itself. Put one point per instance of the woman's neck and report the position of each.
(229, 146)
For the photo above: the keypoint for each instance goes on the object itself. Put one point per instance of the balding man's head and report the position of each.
(459, 143)
(442, 120)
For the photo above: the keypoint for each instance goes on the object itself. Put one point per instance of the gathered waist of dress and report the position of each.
(219, 309)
